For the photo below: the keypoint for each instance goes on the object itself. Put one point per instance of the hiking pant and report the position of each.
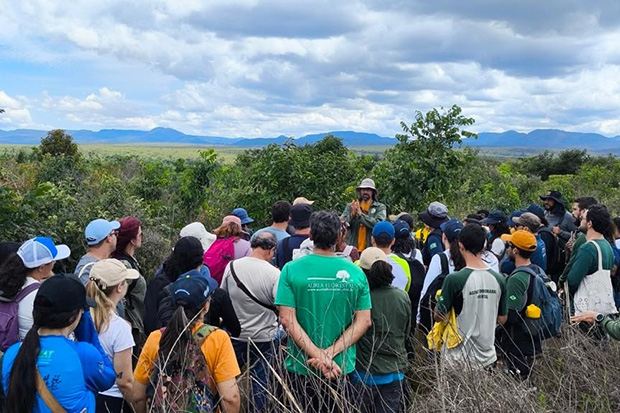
(315, 394)
(382, 398)
(261, 355)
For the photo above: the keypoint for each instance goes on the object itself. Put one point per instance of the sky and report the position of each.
(248, 68)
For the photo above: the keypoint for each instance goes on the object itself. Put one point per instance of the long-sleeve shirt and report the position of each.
(611, 327)
(376, 213)
(565, 221)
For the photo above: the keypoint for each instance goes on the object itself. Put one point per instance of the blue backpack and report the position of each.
(542, 293)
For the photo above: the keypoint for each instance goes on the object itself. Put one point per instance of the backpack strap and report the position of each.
(530, 288)
(445, 265)
(24, 292)
(203, 333)
(47, 396)
(347, 250)
(247, 292)
(87, 265)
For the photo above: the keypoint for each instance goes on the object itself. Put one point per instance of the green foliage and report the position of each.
(547, 163)
(58, 143)
(424, 166)
(325, 172)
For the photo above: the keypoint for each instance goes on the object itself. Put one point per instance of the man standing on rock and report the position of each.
(362, 215)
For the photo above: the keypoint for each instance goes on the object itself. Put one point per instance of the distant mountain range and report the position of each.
(536, 139)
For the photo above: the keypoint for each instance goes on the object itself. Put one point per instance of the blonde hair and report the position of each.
(102, 313)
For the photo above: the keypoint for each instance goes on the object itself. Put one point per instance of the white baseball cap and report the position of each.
(40, 251)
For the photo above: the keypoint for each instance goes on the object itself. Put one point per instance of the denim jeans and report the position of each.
(259, 369)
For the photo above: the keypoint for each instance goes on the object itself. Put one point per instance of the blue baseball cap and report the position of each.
(494, 218)
(383, 231)
(192, 289)
(40, 251)
(97, 230)
(451, 228)
(515, 214)
(401, 229)
(536, 210)
(242, 214)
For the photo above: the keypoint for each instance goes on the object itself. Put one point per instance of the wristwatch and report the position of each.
(599, 318)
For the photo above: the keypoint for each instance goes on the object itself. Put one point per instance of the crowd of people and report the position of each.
(334, 301)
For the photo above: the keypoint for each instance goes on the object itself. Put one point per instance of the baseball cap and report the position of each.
(524, 240)
(300, 215)
(536, 210)
(62, 293)
(369, 256)
(192, 290)
(452, 228)
(242, 214)
(495, 217)
(529, 220)
(97, 230)
(111, 272)
(231, 218)
(40, 251)
(383, 231)
(401, 229)
(302, 200)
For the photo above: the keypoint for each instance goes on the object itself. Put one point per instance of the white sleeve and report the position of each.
(498, 247)
(24, 314)
(418, 256)
(123, 338)
(434, 269)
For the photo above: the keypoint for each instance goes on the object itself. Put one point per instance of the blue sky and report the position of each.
(264, 68)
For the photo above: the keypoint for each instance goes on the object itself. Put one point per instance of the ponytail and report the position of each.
(102, 312)
(22, 389)
(456, 256)
(178, 335)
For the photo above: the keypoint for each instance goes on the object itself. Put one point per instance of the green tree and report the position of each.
(425, 164)
(58, 143)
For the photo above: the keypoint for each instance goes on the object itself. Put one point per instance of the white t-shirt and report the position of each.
(24, 310)
(498, 247)
(116, 338)
(618, 243)
(261, 279)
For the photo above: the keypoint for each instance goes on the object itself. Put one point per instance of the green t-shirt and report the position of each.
(579, 241)
(586, 262)
(516, 290)
(478, 297)
(325, 292)
(382, 350)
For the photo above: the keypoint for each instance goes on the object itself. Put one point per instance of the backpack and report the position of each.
(417, 274)
(9, 322)
(542, 293)
(186, 389)
(556, 259)
(219, 254)
(429, 301)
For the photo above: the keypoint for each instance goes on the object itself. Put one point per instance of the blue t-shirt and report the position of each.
(279, 233)
(72, 372)
(284, 255)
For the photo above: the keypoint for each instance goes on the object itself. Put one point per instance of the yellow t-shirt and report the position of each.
(217, 349)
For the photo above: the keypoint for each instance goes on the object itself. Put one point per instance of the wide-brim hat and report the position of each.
(367, 183)
(555, 195)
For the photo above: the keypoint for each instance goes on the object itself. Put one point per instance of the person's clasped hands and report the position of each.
(326, 365)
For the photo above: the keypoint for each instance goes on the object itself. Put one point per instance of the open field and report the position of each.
(167, 151)
(228, 154)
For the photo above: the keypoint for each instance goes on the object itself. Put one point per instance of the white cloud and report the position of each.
(265, 68)
(15, 114)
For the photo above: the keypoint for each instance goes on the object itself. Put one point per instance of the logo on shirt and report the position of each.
(512, 298)
(343, 275)
(433, 245)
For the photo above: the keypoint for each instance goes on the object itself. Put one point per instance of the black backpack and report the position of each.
(416, 268)
(428, 301)
(555, 254)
